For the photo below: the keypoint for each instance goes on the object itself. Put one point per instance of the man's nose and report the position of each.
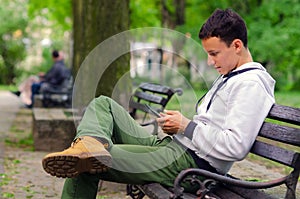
(210, 60)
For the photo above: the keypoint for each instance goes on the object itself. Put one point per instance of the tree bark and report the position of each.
(94, 21)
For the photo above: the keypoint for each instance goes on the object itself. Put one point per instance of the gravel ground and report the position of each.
(27, 179)
(24, 176)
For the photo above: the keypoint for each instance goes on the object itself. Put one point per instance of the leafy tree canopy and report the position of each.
(12, 34)
(274, 31)
(273, 27)
(55, 11)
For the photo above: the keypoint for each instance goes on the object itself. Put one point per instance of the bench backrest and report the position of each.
(279, 137)
(155, 95)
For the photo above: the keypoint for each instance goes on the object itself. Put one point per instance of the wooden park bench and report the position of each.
(55, 98)
(150, 99)
(278, 140)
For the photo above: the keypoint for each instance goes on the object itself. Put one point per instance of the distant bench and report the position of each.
(150, 99)
(56, 97)
(277, 141)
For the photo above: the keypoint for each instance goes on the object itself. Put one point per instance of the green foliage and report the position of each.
(274, 30)
(55, 11)
(8, 87)
(288, 98)
(46, 63)
(145, 13)
(273, 27)
(12, 16)
(44, 66)
(12, 34)
(51, 20)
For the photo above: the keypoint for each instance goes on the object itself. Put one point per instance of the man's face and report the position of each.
(223, 58)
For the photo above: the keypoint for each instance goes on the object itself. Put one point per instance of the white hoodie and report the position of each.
(226, 132)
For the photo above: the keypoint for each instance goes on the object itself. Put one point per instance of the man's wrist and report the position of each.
(189, 130)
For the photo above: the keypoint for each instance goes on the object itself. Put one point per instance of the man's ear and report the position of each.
(238, 45)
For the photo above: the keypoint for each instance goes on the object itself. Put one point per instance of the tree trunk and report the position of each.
(94, 22)
(172, 18)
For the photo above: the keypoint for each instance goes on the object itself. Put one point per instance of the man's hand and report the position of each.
(172, 122)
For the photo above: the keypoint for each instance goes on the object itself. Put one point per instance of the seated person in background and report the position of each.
(53, 80)
(24, 89)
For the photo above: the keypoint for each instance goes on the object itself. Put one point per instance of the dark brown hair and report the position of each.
(226, 25)
(55, 53)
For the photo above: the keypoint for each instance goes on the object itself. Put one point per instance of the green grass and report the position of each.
(185, 103)
(20, 135)
(24, 143)
(288, 98)
(8, 88)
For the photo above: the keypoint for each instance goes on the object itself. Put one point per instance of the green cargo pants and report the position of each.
(138, 156)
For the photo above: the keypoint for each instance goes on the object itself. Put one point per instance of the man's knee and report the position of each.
(103, 98)
(35, 88)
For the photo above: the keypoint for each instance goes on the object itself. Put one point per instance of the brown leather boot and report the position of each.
(86, 154)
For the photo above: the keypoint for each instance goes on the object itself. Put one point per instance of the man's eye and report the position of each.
(213, 54)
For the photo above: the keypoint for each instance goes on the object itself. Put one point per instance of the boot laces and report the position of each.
(75, 142)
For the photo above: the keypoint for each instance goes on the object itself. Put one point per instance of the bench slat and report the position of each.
(248, 193)
(142, 107)
(275, 153)
(225, 193)
(285, 114)
(288, 135)
(151, 98)
(156, 88)
(155, 191)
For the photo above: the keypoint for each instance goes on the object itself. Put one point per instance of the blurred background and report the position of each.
(31, 29)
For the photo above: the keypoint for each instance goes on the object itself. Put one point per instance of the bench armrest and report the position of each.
(179, 91)
(192, 173)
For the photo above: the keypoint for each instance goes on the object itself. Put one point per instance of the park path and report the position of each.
(9, 106)
(23, 169)
(25, 177)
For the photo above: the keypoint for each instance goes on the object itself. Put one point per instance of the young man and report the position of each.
(111, 146)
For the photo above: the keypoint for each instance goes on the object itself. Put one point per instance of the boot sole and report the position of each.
(68, 166)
